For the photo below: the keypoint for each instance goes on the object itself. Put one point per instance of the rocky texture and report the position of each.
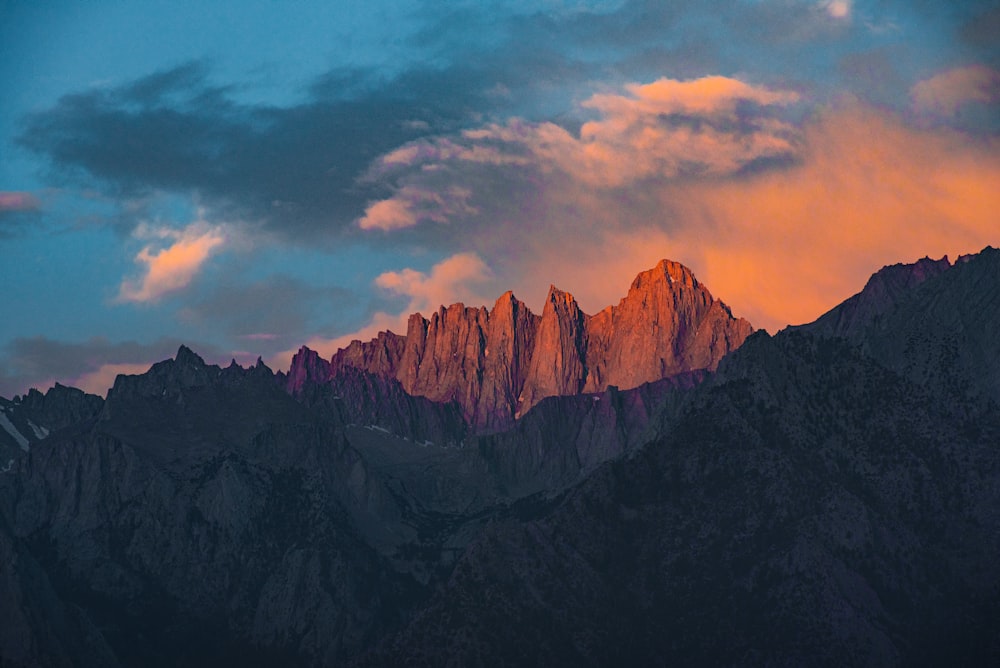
(932, 322)
(497, 364)
(809, 507)
(884, 290)
(32, 418)
(825, 498)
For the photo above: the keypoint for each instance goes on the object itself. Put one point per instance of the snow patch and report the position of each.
(12, 430)
(40, 432)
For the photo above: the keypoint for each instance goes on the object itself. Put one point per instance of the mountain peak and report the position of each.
(498, 363)
(188, 357)
(558, 297)
(666, 271)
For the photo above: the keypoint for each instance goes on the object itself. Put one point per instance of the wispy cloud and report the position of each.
(17, 201)
(172, 267)
(783, 218)
(838, 9)
(667, 128)
(945, 93)
(411, 205)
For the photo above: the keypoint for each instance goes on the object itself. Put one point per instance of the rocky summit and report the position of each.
(496, 364)
(650, 485)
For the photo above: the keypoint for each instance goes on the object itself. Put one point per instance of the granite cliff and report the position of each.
(496, 364)
(829, 495)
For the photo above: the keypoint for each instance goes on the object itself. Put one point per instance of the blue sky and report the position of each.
(248, 177)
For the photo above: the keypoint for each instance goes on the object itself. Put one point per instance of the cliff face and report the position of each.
(826, 497)
(496, 364)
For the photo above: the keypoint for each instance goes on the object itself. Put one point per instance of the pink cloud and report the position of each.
(838, 9)
(630, 141)
(451, 280)
(411, 205)
(173, 267)
(945, 93)
(17, 201)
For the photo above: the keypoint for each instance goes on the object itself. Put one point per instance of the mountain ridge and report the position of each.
(498, 363)
(827, 497)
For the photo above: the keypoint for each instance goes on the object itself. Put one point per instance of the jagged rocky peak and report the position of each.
(497, 363)
(558, 361)
(669, 323)
(665, 270)
(188, 357)
(307, 368)
(60, 406)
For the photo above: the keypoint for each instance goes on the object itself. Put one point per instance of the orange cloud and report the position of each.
(707, 95)
(388, 214)
(944, 94)
(860, 188)
(665, 129)
(787, 245)
(838, 9)
(171, 268)
(780, 246)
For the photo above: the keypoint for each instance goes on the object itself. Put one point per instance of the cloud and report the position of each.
(17, 209)
(454, 279)
(273, 312)
(289, 173)
(708, 126)
(945, 93)
(171, 268)
(838, 9)
(463, 277)
(17, 201)
(781, 218)
(411, 205)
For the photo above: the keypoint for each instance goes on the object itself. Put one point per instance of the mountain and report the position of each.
(496, 364)
(808, 507)
(826, 498)
(932, 322)
(828, 495)
(33, 417)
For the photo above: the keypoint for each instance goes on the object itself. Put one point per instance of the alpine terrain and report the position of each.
(653, 484)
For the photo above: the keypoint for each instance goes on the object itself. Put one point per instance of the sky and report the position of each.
(248, 177)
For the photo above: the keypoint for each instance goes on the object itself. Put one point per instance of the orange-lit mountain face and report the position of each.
(828, 495)
(498, 363)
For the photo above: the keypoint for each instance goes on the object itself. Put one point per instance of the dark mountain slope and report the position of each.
(809, 508)
(829, 496)
(935, 324)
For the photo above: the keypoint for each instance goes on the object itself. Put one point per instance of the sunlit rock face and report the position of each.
(829, 495)
(496, 364)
